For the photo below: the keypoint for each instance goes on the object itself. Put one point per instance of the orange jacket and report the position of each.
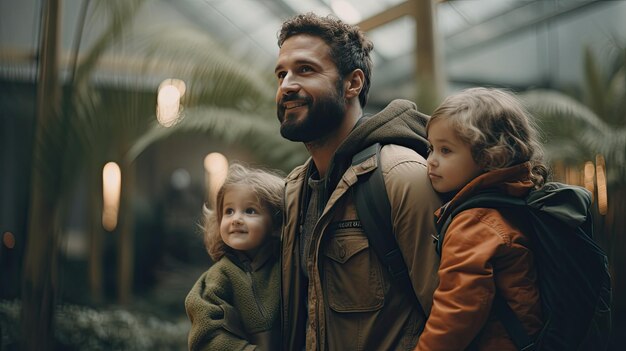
(483, 250)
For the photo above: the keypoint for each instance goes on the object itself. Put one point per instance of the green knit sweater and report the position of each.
(234, 304)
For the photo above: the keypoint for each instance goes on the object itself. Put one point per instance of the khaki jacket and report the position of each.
(484, 250)
(353, 304)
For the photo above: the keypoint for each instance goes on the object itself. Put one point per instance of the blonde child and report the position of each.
(234, 304)
(482, 140)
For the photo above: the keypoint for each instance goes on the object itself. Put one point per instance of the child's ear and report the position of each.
(354, 83)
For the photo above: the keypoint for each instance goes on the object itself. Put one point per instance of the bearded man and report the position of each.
(336, 294)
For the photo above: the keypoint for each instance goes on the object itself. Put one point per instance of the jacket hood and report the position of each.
(399, 123)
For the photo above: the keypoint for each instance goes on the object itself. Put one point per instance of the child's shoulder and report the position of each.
(222, 266)
(478, 219)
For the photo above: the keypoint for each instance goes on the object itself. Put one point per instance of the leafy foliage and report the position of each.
(84, 328)
(225, 100)
(577, 129)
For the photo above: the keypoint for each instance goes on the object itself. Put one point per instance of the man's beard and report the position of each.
(322, 118)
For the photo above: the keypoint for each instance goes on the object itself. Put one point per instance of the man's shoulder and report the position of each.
(404, 169)
(392, 155)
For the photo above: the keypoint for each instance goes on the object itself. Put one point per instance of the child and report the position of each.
(482, 139)
(234, 305)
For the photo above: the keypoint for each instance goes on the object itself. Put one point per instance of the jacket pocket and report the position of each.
(353, 279)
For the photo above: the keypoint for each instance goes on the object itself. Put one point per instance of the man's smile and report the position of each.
(293, 104)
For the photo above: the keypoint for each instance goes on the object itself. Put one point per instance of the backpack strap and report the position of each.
(503, 311)
(374, 210)
(512, 324)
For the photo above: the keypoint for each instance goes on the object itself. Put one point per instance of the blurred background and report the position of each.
(118, 118)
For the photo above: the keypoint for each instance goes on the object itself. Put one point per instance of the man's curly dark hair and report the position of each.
(349, 47)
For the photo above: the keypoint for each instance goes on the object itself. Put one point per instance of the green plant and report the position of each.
(84, 123)
(84, 328)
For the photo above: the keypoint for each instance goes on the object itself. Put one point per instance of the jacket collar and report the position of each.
(268, 251)
(513, 181)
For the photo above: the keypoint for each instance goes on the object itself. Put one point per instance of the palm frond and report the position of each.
(230, 126)
(574, 133)
(562, 113)
(616, 113)
(213, 77)
(121, 13)
(595, 92)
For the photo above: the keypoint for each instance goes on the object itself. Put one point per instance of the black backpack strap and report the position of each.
(505, 314)
(374, 210)
(512, 324)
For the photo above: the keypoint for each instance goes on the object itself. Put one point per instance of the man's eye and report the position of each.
(305, 69)
(281, 75)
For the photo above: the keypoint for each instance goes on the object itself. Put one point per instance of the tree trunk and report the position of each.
(96, 232)
(39, 281)
(126, 240)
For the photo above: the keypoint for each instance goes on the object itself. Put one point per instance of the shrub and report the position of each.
(84, 328)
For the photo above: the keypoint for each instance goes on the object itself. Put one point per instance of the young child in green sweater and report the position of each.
(235, 304)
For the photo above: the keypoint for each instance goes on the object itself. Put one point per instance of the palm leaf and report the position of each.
(561, 115)
(230, 126)
(595, 92)
(212, 76)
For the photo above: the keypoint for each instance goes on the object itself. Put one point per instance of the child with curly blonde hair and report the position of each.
(482, 140)
(234, 304)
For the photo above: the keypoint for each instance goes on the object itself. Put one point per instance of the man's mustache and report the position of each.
(292, 97)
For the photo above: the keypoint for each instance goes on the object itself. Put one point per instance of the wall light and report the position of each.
(603, 201)
(111, 190)
(588, 178)
(168, 101)
(216, 167)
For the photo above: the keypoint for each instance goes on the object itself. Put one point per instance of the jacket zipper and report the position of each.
(259, 304)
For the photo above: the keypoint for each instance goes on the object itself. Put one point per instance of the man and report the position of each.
(336, 295)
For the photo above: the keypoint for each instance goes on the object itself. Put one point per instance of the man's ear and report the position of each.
(354, 83)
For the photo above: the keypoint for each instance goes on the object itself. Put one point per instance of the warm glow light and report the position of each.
(345, 11)
(8, 239)
(168, 105)
(177, 83)
(111, 189)
(589, 174)
(603, 201)
(216, 166)
(168, 101)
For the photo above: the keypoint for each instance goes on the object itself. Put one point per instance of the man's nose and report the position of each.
(289, 84)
